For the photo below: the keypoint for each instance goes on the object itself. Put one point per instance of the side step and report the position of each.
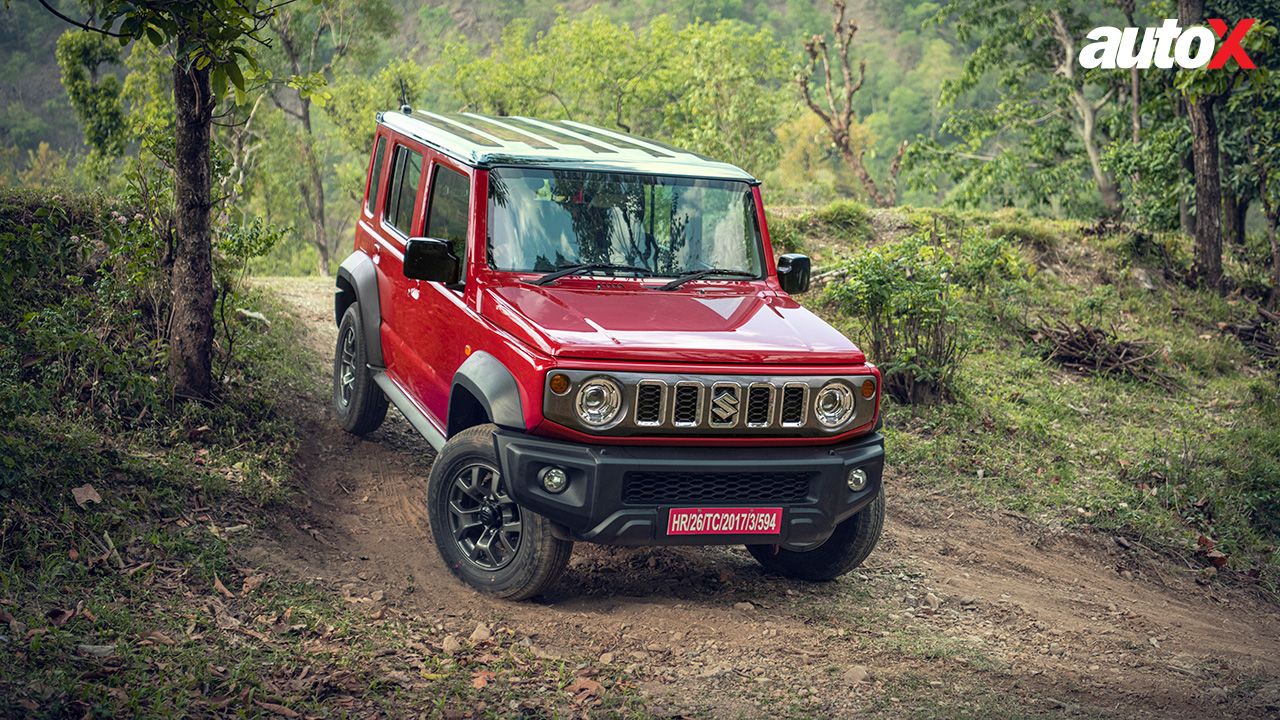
(407, 408)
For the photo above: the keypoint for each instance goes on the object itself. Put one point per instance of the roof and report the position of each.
(483, 141)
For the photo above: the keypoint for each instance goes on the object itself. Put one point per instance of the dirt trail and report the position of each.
(959, 611)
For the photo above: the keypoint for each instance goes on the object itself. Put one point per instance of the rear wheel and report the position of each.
(358, 402)
(485, 538)
(846, 549)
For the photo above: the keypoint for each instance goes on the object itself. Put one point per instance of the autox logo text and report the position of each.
(1166, 46)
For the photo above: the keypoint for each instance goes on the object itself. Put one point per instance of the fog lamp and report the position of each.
(857, 479)
(553, 479)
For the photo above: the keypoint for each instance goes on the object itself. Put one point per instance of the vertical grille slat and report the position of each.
(649, 403)
(759, 406)
(688, 401)
(793, 405)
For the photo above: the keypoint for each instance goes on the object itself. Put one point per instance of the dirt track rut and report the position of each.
(960, 611)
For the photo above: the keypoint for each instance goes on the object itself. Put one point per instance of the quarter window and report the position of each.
(405, 176)
(449, 208)
(375, 175)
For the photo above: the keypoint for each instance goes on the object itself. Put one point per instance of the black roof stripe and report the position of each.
(454, 127)
(616, 142)
(497, 129)
(551, 133)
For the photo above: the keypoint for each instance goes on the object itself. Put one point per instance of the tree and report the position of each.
(837, 113)
(709, 87)
(313, 41)
(209, 40)
(1050, 122)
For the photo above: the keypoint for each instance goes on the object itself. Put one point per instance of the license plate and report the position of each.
(724, 521)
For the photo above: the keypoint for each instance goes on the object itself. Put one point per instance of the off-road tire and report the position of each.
(850, 544)
(538, 558)
(361, 406)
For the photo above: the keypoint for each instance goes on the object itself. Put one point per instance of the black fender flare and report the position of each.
(358, 281)
(493, 386)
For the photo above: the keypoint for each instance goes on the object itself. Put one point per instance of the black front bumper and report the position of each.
(603, 502)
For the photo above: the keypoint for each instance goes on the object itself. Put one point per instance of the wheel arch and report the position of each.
(483, 391)
(357, 281)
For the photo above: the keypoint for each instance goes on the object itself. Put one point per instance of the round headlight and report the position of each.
(598, 401)
(834, 405)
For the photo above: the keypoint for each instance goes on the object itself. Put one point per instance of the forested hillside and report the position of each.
(954, 104)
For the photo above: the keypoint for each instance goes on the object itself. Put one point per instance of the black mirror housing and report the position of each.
(793, 273)
(431, 259)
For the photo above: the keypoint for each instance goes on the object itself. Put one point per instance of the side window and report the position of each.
(449, 207)
(375, 175)
(405, 176)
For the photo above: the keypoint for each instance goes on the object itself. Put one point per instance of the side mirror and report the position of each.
(430, 259)
(793, 272)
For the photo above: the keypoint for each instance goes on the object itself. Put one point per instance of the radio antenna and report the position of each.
(404, 98)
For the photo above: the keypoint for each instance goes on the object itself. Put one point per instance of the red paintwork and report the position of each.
(612, 324)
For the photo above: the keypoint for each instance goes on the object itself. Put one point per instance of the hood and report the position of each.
(727, 323)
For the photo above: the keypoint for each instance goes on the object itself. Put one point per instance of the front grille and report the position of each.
(793, 405)
(649, 404)
(671, 488)
(686, 405)
(759, 403)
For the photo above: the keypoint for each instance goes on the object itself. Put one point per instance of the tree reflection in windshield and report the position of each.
(541, 219)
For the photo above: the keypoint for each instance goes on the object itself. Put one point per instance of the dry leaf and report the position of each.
(585, 691)
(277, 709)
(156, 637)
(251, 583)
(85, 494)
(481, 678)
(59, 616)
(217, 585)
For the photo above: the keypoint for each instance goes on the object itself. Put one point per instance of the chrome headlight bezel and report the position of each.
(598, 402)
(842, 412)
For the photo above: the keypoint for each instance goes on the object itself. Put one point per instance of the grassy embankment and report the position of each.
(1159, 463)
(121, 593)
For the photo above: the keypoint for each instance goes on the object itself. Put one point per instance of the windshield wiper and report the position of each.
(583, 268)
(699, 274)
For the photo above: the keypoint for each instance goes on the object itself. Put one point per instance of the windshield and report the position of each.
(541, 220)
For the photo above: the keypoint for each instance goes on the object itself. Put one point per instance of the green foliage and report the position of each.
(710, 87)
(901, 297)
(847, 218)
(990, 265)
(96, 99)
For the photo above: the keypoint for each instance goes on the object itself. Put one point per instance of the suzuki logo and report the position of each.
(724, 405)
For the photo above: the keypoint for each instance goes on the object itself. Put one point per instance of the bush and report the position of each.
(988, 263)
(847, 218)
(900, 296)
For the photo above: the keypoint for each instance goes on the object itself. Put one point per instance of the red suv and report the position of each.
(591, 330)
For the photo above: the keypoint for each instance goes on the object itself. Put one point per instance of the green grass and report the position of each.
(1117, 455)
(116, 608)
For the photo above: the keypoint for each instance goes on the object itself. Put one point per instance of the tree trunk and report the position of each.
(854, 161)
(1204, 155)
(191, 278)
(1233, 213)
(1275, 258)
(313, 192)
(1204, 158)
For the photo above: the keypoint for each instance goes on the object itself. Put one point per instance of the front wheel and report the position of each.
(484, 537)
(850, 544)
